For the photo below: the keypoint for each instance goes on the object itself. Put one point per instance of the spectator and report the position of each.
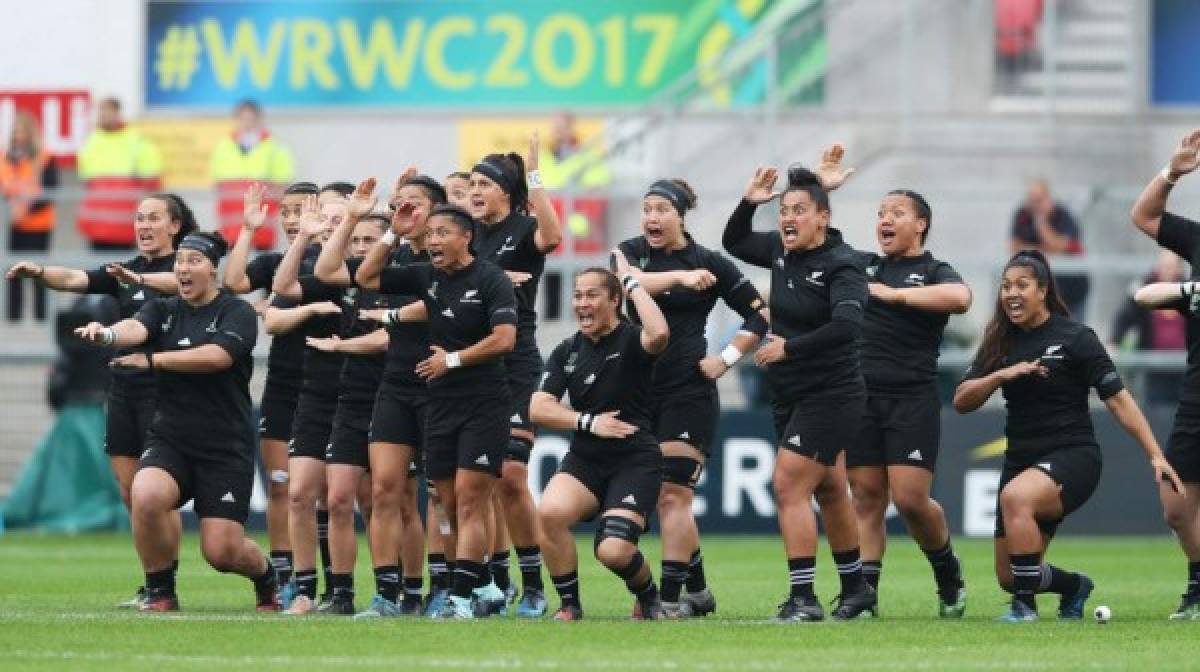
(26, 171)
(118, 167)
(1155, 330)
(564, 161)
(248, 155)
(1043, 224)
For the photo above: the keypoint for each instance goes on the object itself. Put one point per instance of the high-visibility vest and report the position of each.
(118, 168)
(21, 185)
(233, 171)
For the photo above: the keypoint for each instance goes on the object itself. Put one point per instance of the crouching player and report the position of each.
(614, 466)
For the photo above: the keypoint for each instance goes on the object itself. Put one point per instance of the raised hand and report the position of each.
(254, 211)
(761, 188)
(404, 220)
(363, 201)
(531, 160)
(1187, 155)
(123, 275)
(830, 170)
(311, 225)
(409, 173)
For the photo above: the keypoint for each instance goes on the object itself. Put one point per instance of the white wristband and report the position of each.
(453, 360)
(388, 238)
(630, 283)
(108, 336)
(534, 178)
(389, 317)
(1186, 289)
(730, 355)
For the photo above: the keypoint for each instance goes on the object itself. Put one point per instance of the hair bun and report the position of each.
(799, 177)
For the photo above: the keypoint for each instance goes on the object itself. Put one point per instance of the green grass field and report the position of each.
(56, 592)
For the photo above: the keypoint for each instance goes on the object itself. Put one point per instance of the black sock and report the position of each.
(947, 572)
(342, 583)
(674, 573)
(646, 593)
(567, 586)
(412, 588)
(801, 574)
(849, 569)
(871, 570)
(265, 580)
(175, 565)
(1056, 580)
(438, 571)
(530, 560)
(695, 581)
(1193, 583)
(499, 568)
(306, 582)
(1027, 576)
(466, 577)
(282, 562)
(387, 582)
(323, 543)
(161, 582)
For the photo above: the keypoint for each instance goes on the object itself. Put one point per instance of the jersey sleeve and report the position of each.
(406, 279)
(352, 266)
(1178, 234)
(740, 239)
(1097, 367)
(734, 288)
(313, 290)
(261, 271)
(499, 299)
(632, 253)
(848, 293)
(554, 377)
(151, 315)
(527, 249)
(100, 282)
(944, 274)
(237, 330)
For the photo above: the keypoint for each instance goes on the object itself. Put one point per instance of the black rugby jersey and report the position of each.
(510, 244)
(809, 290)
(1182, 236)
(687, 310)
(408, 342)
(130, 299)
(285, 360)
(611, 374)
(212, 410)
(463, 308)
(1052, 412)
(900, 343)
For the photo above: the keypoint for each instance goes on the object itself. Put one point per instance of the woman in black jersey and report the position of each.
(161, 222)
(1181, 236)
(818, 293)
(613, 468)
(397, 417)
(686, 279)
(315, 315)
(199, 447)
(1045, 363)
(472, 325)
(511, 238)
(912, 296)
(285, 360)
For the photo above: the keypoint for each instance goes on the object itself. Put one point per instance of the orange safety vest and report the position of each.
(21, 184)
(234, 170)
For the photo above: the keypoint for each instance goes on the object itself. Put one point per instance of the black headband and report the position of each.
(1040, 269)
(204, 245)
(672, 192)
(494, 173)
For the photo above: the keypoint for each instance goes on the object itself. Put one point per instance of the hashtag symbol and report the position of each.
(178, 57)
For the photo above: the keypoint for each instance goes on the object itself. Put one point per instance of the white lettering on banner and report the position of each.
(56, 140)
(543, 447)
(979, 501)
(754, 479)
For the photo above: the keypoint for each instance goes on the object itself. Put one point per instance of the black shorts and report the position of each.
(399, 416)
(277, 411)
(903, 431)
(1076, 469)
(466, 433)
(1183, 448)
(818, 429)
(630, 481)
(690, 418)
(127, 419)
(312, 427)
(349, 434)
(220, 486)
(523, 377)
